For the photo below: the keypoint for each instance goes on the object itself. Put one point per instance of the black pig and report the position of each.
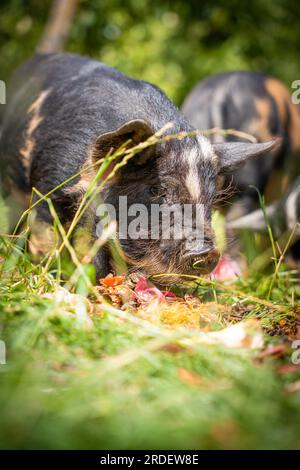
(283, 217)
(65, 111)
(258, 105)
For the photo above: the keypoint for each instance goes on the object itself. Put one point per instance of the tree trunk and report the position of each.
(58, 26)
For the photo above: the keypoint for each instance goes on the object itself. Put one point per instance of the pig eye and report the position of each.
(157, 191)
(154, 190)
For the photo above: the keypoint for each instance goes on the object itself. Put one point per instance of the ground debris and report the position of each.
(136, 294)
(211, 321)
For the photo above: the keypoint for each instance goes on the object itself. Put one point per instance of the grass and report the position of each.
(111, 384)
(106, 378)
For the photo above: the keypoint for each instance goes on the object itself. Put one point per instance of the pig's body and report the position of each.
(258, 105)
(59, 104)
(66, 112)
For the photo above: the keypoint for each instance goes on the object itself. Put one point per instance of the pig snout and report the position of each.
(193, 256)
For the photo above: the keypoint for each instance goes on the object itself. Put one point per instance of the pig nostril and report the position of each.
(198, 263)
(206, 260)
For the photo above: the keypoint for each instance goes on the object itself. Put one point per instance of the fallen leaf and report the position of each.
(247, 334)
(145, 292)
(277, 351)
(288, 369)
(112, 281)
(172, 348)
(189, 377)
(167, 293)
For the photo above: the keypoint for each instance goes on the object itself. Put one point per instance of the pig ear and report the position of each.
(234, 154)
(135, 131)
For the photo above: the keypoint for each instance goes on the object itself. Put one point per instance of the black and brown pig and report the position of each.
(262, 107)
(66, 111)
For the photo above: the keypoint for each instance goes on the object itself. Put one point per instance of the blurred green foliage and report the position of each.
(173, 44)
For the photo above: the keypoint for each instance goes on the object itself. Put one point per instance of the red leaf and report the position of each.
(167, 293)
(288, 368)
(145, 292)
(278, 350)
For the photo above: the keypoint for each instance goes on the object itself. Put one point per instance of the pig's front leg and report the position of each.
(86, 238)
(43, 239)
(101, 263)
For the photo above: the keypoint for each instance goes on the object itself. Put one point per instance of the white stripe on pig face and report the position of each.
(203, 152)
